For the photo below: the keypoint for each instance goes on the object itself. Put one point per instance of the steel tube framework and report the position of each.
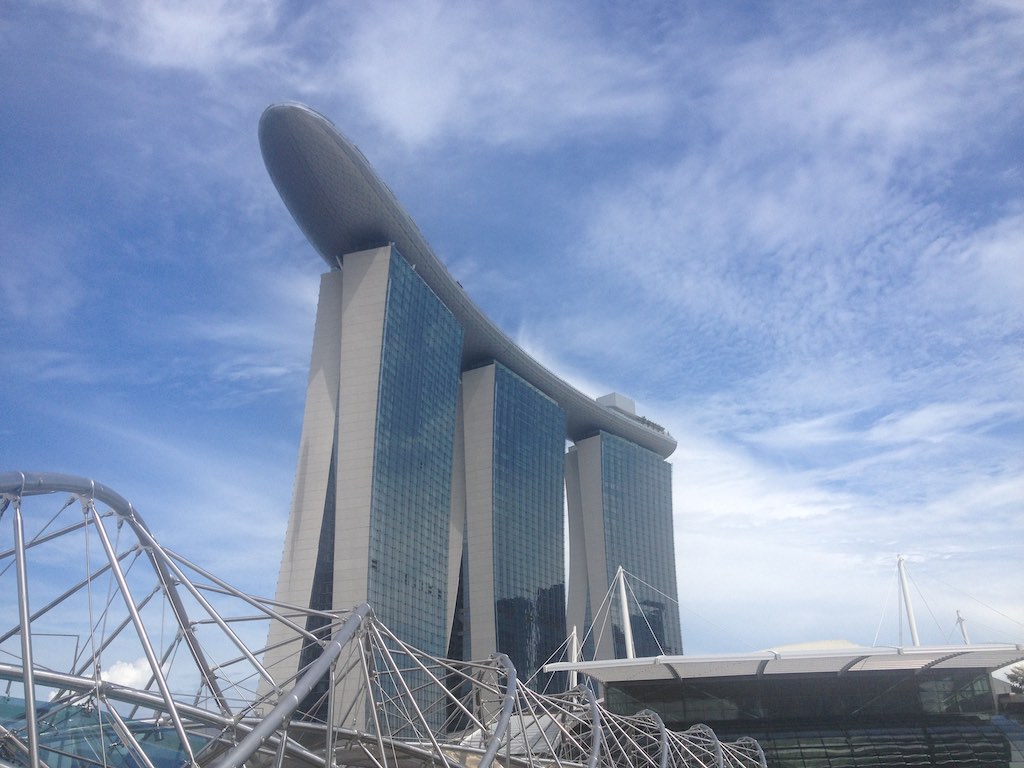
(25, 635)
(137, 693)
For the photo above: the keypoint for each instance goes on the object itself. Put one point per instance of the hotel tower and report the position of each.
(433, 474)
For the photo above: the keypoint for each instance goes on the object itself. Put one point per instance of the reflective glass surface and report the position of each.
(637, 493)
(825, 697)
(529, 565)
(71, 736)
(957, 742)
(419, 379)
(889, 718)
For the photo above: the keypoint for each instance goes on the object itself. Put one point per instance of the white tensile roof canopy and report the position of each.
(782, 661)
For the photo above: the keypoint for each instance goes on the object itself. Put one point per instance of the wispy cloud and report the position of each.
(507, 73)
(937, 422)
(833, 331)
(795, 554)
(38, 280)
(979, 273)
(196, 36)
(227, 485)
(269, 347)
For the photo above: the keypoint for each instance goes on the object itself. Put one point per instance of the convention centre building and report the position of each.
(437, 459)
(832, 705)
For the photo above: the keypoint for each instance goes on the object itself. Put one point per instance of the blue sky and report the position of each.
(793, 232)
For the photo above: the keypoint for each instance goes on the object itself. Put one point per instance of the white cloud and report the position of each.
(717, 479)
(51, 366)
(131, 674)
(505, 73)
(819, 163)
(267, 344)
(982, 270)
(936, 422)
(793, 554)
(203, 36)
(809, 433)
(38, 280)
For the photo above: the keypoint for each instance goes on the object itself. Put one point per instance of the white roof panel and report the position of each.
(780, 662)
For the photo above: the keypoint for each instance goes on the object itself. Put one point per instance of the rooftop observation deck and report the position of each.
(342, 206)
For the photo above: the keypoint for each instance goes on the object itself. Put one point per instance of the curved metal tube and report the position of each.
(151, 548)
(141, 633)
(28, 669)
(38, 483)
(595, 734)
(134, 697)
(542, 719)
(709, 736)
(750, 748)
(662, 733)
(501, 725)
(290, 701)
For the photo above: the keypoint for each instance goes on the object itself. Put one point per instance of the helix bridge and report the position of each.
(117, 651)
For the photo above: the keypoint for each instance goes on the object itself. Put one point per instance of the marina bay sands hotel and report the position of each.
(433, 472)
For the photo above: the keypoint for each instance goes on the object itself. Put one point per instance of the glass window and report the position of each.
(528, 504)
(417, 400)
(637, 494)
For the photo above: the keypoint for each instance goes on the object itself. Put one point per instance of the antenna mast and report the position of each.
(901, 568)
(574, 656)
(627, 624)
(962, 623)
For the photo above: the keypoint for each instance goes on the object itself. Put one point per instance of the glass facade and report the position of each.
(637, 497)
(403, 501)
(996, 742)
(528, 534)
(72, 736)
(411, 502)
(897, 718)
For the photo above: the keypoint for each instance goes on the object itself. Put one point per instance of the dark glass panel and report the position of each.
(637, 493)
(419, 378)
(528, 504)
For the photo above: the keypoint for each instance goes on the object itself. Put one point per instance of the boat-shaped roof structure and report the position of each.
(342, 206)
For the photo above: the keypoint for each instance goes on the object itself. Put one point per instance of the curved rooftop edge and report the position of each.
(988, 657)
(342, 206)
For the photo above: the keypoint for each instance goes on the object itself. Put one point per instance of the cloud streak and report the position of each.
(507, 74)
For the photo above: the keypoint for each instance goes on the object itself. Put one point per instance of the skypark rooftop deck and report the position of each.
(342, 206)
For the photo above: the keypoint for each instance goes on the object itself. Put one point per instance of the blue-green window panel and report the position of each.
(638, 531)
(416, 416)
(528, 531)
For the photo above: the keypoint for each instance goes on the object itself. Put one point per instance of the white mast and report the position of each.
(906, 600)
(627, 625)
(574, 656)
(962, 623)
